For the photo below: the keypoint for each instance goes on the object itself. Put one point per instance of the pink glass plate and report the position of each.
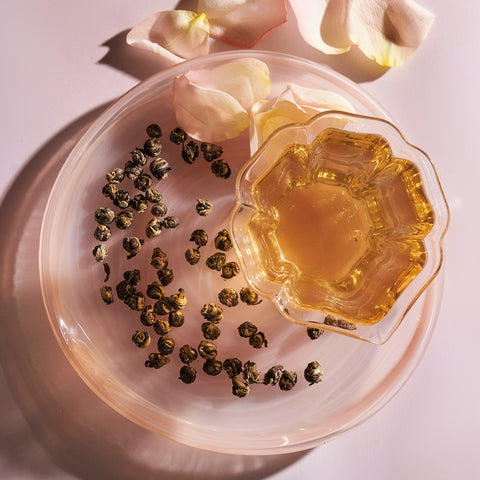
(359, 377)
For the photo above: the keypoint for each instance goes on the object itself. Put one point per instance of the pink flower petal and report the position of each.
(214, 105)
(247, 80)
(319, 99)
(173, 34)
(388, 31)
(243, 23)
(320, 22)
(207, 114)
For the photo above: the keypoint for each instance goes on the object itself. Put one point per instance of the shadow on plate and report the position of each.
(81, 434)
(141, 64)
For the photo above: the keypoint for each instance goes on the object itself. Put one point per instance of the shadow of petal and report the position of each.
(133, 61)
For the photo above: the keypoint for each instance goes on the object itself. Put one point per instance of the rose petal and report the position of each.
(173, 34)
(320, 22)
(207, 114)
(243, 23)
(214, 105)
(319, 99)
(294, 104)
(247, 80)
(388, 31)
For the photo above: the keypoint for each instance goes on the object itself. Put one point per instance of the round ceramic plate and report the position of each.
(359, 377)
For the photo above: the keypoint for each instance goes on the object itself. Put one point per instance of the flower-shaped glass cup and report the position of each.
(340, 222)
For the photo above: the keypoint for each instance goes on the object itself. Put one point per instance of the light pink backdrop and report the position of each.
(61, 64)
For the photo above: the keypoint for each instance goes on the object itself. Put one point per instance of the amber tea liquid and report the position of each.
(341, 222)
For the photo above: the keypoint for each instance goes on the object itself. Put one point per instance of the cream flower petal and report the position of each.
(388, 31)
(243, 23)
(214, 105)
(247, 80)
(320, 22)
(319, 99)
(207, 114)
(294, 104)
(173, 34)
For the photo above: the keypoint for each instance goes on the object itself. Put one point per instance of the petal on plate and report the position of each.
(294, 104)
(207, 114)
(388, 31)
(320, 99)
(247, 80)
(321, 24)
(243, 23)
(174, 34)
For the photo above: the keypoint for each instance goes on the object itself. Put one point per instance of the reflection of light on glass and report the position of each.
(285, 440)
(70, 333)
(79, 327)
(64, 329)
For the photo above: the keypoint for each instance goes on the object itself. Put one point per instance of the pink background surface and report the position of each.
(62, 63)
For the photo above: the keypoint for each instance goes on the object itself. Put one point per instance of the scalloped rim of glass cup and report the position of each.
(377, 333)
